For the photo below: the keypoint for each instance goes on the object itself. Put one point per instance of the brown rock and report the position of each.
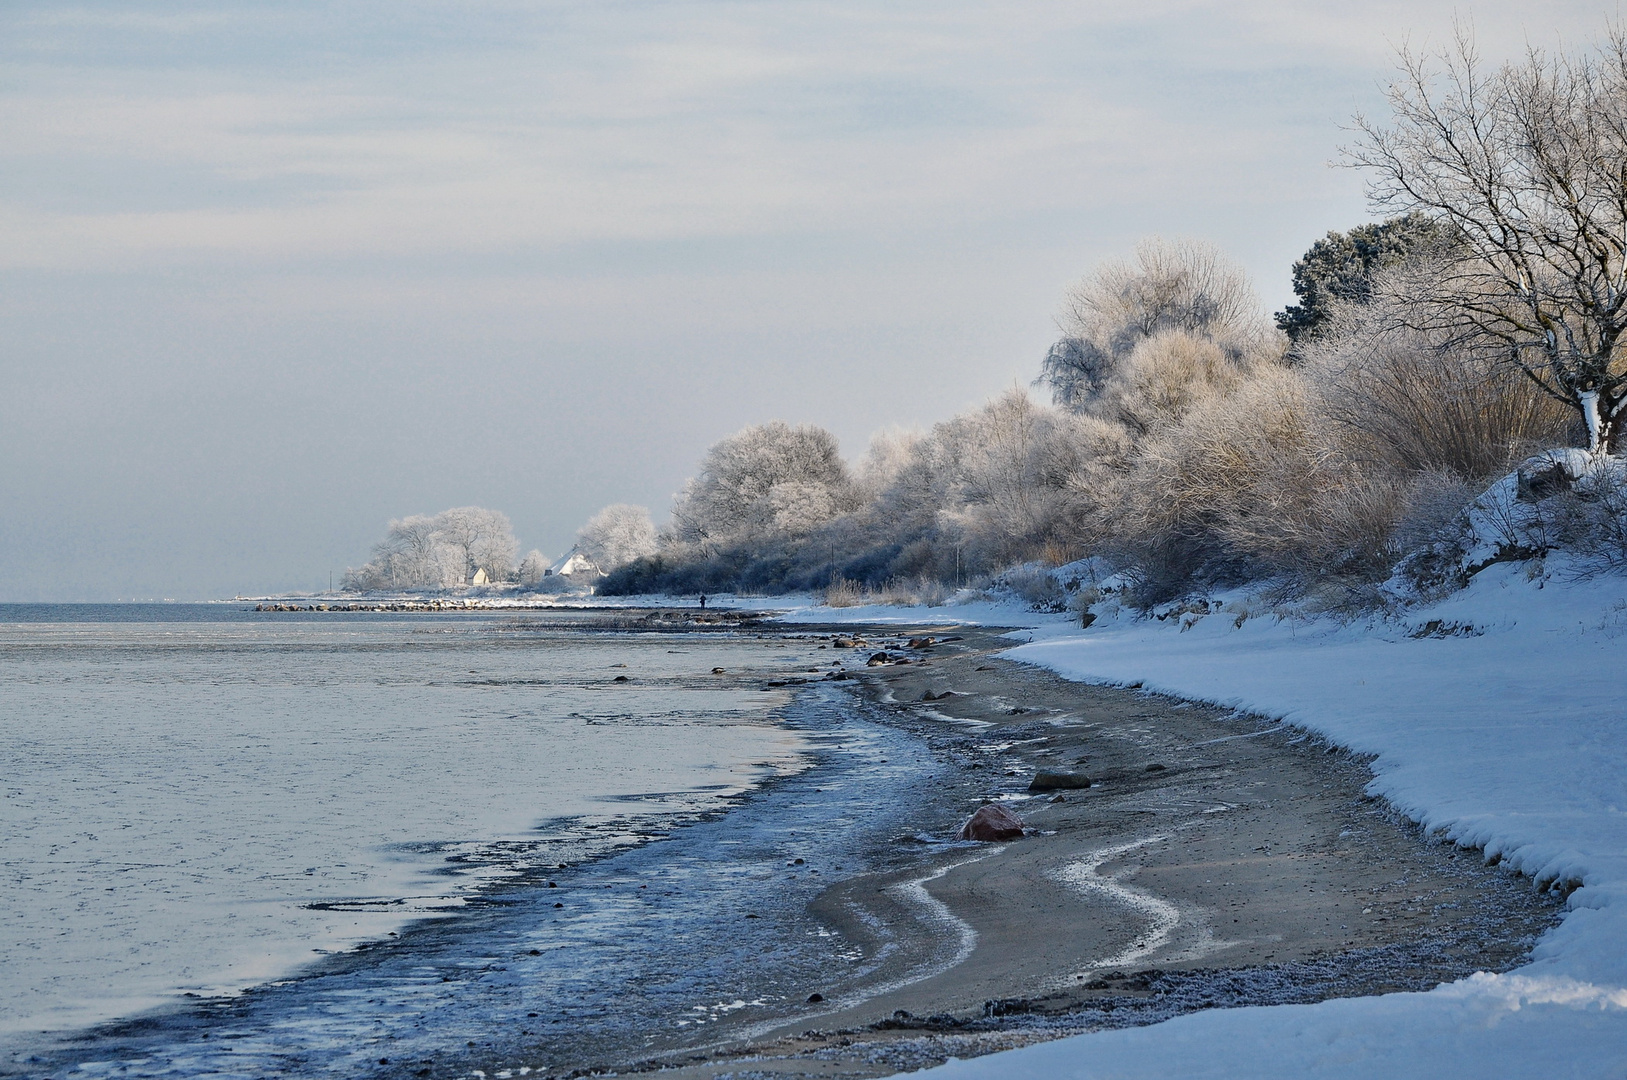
(992, 822)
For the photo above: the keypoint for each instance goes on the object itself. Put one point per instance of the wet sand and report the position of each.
(1216, 860)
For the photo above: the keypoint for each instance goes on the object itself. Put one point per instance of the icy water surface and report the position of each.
(197, 802)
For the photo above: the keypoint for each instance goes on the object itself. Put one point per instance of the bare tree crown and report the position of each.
(1527, 164)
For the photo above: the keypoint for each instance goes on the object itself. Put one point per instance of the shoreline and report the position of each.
(1218, 860)
(1112, 913)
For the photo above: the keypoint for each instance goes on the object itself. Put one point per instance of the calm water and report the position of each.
(199, 798)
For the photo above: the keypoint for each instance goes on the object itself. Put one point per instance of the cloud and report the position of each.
(694, 214)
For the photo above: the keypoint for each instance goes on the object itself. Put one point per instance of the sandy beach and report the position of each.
(1215, 860)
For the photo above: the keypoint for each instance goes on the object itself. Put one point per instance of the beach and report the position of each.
(1216, 860)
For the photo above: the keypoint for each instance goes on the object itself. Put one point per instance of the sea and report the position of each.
(245, 843)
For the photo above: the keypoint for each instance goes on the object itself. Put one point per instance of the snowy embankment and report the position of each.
(1503, 726)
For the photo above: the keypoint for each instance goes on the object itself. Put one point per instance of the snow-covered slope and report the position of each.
(1503, 725)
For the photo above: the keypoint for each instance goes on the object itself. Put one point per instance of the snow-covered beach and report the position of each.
(1493, 720)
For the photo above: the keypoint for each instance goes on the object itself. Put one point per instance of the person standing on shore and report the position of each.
(703, 601)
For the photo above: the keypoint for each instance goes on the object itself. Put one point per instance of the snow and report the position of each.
(1495, 717)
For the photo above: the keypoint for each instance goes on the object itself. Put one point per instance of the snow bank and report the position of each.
(1496, 718)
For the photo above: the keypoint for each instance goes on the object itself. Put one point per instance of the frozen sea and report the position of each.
(303, 814)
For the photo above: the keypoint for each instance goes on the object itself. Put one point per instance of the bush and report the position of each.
(1419, 405)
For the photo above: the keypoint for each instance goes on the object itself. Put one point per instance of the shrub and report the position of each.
(1419, 405)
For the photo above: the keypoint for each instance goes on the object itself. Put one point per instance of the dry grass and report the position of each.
(920, 592)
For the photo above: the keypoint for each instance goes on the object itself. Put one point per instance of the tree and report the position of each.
(483, 538)
(425, 552)
(770, 478)
(1183, 288)
(414, 554)
(1340, 268)
(1527, 165)
(617, 535)
(533, 567)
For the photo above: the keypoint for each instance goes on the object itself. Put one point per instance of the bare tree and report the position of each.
(1527, 164)
(617, 535)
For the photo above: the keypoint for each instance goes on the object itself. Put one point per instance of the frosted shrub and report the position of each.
(921, 592)
(1420, 405)
(1255, 483)
(1036, 586)
(1165, 376)
(1000, 485)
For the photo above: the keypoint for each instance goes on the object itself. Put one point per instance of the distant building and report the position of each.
(480, 577)
(576, 565)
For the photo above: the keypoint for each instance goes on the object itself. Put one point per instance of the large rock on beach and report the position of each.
(992, 822)
(1058, 780)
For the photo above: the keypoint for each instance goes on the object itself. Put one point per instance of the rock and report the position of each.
(620, 678)
(843, 643)
(878, 659)
(718, 671)
(921, 643)
(1057, 780)
(1155, 768)
(1086, 618)
(815, 999)
(992, 822)
(1537, 481)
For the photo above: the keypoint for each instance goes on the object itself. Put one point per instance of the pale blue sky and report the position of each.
(272, 274)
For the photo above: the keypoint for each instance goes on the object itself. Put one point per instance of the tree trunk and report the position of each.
(1589, 400)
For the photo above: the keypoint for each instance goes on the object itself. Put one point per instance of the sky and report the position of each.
(273, 274)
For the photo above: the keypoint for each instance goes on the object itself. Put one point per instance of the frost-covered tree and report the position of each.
(1000, 484)
(437, 552)
(1131, 326)
(888, 455)
(617, 535)
(483, 538)
(770, 478)
(533, 567)
(1527, 165)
